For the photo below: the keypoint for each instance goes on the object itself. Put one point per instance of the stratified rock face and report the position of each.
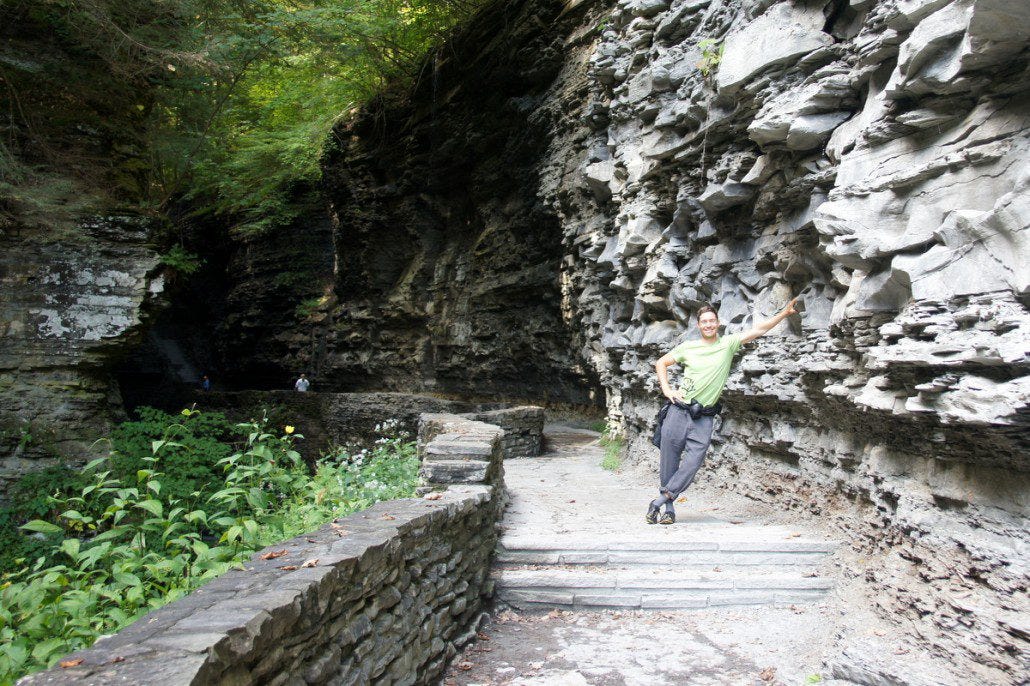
(448, 262)
(867, 156)
(69, 306)
(871, 158)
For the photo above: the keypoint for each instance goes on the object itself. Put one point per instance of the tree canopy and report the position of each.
(227, 103)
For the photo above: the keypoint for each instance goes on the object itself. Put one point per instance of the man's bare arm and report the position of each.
(662, 367)
(766, 326)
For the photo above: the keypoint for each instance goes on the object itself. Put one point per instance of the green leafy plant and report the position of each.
(123, 545)
(182, 261)
(308, 307)
(613, 444)
(711, 56)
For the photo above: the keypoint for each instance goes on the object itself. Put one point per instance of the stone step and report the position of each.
(753, 543)
(635, 588)
(454, 471)
(457, 448)
(695, 553)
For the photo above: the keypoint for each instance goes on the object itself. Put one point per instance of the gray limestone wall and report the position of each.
(382, 596)
(326, 419)
(867, 156)
(70, 302)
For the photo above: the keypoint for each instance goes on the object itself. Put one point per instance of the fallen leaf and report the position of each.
(681, 499)
(289, 568)
(554, 614)
(793, 535)
(310, 540)
(900, 651)
(65, 664)
(482, 637)
(465, 666)
(435, 495)
(572, 501)
(336, 526)
(767, 674)
(272, 554)
(118, 659)
(310, 563)
(388, 517)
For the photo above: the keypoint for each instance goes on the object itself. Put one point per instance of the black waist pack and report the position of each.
(656, 438)
(695, 409)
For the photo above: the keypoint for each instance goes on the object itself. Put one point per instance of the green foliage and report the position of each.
(182, 261)
(813, 679)
(308, 307)
(123, 545)
(225, 102)
(191, 464)
(711, 56)
(201, 440)
(613, 444)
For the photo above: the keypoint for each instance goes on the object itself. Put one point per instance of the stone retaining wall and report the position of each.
(523, 428)
(388, 596)
(326, 419)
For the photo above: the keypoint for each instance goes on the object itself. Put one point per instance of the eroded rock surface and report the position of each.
(69, 306)
(867, 156)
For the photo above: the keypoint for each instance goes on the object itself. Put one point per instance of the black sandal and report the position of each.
(652, 514)
(667, 518)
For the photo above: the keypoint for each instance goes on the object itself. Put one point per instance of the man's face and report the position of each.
(709, 324)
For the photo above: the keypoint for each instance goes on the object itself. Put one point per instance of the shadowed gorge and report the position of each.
(537, 216)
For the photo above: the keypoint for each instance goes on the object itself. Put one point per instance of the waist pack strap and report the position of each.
(712, 411)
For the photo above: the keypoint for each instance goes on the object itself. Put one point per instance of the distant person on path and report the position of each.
(690, 420)
(302, 384)
(205, 383)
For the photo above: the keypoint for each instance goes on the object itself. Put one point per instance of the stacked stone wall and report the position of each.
(383, 596)
(523, 428)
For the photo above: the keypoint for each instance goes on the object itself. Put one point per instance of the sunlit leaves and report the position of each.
(144, 548)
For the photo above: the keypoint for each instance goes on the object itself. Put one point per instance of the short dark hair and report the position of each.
(706, 308)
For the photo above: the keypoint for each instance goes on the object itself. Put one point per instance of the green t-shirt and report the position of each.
(705, 367)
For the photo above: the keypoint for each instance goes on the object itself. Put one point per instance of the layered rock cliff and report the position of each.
(567, 182)
(71, 304)
(866, 156)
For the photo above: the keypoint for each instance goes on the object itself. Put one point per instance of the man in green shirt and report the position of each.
(687, 429)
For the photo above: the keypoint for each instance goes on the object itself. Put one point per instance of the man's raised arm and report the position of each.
(766, 326)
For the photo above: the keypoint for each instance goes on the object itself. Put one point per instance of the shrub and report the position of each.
(613, 444)
(124, 545)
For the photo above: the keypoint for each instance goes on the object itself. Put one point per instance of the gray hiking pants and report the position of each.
(686, 436)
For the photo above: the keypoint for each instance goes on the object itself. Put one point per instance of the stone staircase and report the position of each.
(595, 551)
(706, 571)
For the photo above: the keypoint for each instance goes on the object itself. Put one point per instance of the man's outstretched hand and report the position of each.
(790, 308)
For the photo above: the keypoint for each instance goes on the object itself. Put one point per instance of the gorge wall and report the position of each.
(69, 305)
(869, 157)
(542, 213)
